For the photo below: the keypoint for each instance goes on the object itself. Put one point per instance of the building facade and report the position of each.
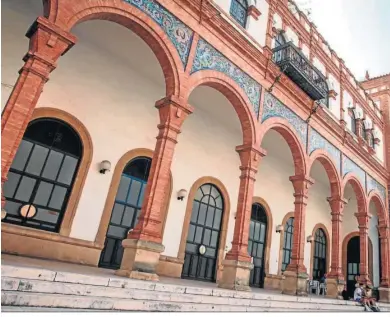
(223, 141)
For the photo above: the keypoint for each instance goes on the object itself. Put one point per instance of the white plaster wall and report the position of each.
(307, 26)
(292, 36)
(306, 50)
(379, 147)
(274, 186)
(373, 235)
(335, 104)
(350, 223)
(317, 63)
(224, 4)
(258, 28)
(206, 147)
(277, 21)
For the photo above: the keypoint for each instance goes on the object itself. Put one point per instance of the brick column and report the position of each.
(384, 288)
(296, 272)
(143, 244)
(237, 264)
(335, 277)
(47, 43)
(363, 221)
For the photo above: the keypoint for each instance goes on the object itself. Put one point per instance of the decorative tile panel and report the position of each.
(179, 33)
(207, 57)
(274, 108)
(317, 141)
(372, 184)
(351, 166)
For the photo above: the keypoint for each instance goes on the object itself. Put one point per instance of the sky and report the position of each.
(357, 30)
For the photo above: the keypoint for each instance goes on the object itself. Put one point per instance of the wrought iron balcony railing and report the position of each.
(299, 69)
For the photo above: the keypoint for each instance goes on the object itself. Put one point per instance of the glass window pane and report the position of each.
(210, 216)
(46, 215)
(12, 208)
(262, 232)
(202, 214)
(117, 232)
(198, 234)
(128, 217)
(52, 165)
(68, 169)
(141, 195)
(37, 159)
(214, 239)
(116, 215)
(194, 213)
(206, 237)
(123, 188)
(134, 192)
(257, 231)
(251, 229)
(194, 266)
(43, 193)
(25, 189)
(22, 155)
(198, 195)
(259, 250)
(219, 202)
(191, 233)
(57, 198)
(217, 219)
(11, 184)
(214, 192)
(250, 251)
(206, 189)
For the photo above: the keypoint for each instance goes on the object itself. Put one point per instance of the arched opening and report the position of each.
(287, 243)
(126, 210)
(320, 260)
(374, 235)
(353, 263)
(257, 244)
(42, 174)
(202, 243)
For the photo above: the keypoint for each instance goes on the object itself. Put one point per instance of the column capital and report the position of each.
(363, 219)
(250, 157)
(384, 231)
(47, 43)
(301, 185)
(337, 204)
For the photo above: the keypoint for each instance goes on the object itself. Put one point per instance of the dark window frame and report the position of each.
(238, 7)
(320, 254)
(288, 232)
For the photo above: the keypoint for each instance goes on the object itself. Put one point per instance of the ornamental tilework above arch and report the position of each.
(317, 141)
(350, 166)
(372, 184)
(179, 33)
(272, 107)
(207, 57)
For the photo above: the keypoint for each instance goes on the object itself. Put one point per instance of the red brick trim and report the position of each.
(254, 12)
(234, 94)
(287, 131)
(330, 168)
(358, 190)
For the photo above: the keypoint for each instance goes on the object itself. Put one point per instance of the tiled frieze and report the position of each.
(274, 108)
(317, 141)
(372, 184)
(179, 33)
(350, 166)
(207, 57)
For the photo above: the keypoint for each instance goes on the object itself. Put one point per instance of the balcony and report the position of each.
(299, 69)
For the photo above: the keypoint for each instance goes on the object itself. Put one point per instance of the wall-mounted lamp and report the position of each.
(279, 228)
(181, 194)
(310, 239)
(3, 214)
(105, 166)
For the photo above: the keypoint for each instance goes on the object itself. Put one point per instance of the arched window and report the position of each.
(239, 11)
(353, 123)
(126, 210)
(42, 173)
(319, 263)
(287, 243)
(364, 133)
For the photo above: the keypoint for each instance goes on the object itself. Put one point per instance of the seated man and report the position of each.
(370, 299)
(360, 296)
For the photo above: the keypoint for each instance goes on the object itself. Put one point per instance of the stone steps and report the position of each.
(36, 288)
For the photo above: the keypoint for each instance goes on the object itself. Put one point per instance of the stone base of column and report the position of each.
(384, 294)
(334, 287)
(235, 275)
(140, 259)
(295, 283)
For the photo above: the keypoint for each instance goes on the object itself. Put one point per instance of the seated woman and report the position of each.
(370, 299)
(360, 296)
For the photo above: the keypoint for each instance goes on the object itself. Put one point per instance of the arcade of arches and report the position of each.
(195, 182)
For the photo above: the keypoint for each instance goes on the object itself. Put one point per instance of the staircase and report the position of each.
(26, 288)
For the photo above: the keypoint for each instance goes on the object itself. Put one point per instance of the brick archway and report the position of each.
(358, 190)
(67, 14)
(330, 169)
(232, 92)
(287, 131)
(379, 206)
